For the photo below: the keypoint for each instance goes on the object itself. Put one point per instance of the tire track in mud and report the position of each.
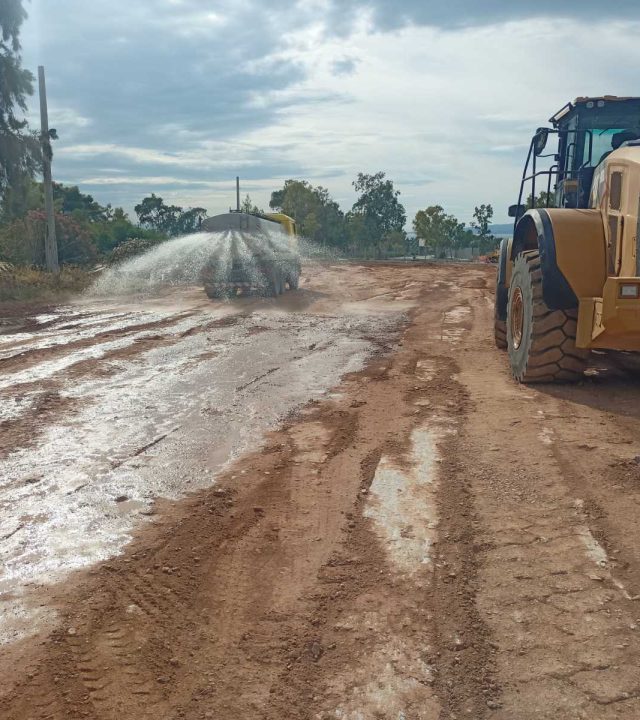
(47, 405)
(464, 652)
(273, 595)
(32, 356)
(564, 629)
(277, 594)
(599, 462)
(426, 628)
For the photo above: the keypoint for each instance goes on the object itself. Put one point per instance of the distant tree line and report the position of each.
(89, 232)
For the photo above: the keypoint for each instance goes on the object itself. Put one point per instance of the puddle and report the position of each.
(161, 426)
(50, 368)
(425, 370)
(450, 320)
(310, 440)
(594, 550)
(393, 681)
(74, 331)
(402, 503)
(546, 436)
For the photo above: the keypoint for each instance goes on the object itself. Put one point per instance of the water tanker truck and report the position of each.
(258, 253)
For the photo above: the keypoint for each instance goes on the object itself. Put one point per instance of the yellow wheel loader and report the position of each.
(569, 279)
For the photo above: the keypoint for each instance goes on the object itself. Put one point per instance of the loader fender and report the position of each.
(502, 262)
(571, 246)
(502, 284)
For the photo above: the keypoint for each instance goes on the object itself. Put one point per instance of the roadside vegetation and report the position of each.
(27, 284)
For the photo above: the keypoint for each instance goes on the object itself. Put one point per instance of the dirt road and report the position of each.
(333, 505)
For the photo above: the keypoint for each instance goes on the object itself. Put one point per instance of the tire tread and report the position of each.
(553, 355)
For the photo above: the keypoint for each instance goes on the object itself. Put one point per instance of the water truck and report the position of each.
(259, 253)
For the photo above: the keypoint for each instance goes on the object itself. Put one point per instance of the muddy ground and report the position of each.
(333, 505)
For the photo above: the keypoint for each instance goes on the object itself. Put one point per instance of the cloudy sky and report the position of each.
(176, 97)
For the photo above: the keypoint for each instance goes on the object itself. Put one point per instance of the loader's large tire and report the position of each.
(499, 326)
(541, 342)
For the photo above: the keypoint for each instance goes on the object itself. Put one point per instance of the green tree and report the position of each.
(87, 230)
(70, 201)
(379, 209)
(118, 229)
(482, 220)
(154, 214)
(248, 206)
(20, 155)
(442, 233)
(459, 237)
(189, 221)
(22, 195)
(429, 226)
(356, 234)
(67, 199)
(318, 217)
(544, 199)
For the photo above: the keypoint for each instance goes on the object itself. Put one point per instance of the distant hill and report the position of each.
(497, 229)
(502, 228)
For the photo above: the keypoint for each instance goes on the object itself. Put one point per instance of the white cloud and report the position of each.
(147, 180)
(208, 155)
(448, 114)
(62, 118)
(457, 106)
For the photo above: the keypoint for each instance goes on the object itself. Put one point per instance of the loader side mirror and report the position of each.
(540, 140)
(516, 210)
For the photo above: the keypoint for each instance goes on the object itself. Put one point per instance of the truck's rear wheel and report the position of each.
(294, 280)
(214, 292)
(276, 283)
(541, 341)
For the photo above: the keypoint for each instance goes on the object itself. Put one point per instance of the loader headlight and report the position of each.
(629, 291)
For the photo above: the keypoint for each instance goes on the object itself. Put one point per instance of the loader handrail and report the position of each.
(556, 170)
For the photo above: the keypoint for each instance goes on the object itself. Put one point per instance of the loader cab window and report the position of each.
(604, 143)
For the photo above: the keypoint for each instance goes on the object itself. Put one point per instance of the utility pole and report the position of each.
(50, 242)
(237, 193)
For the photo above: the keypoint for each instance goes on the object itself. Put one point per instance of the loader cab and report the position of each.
(589, 129)
(563, 158)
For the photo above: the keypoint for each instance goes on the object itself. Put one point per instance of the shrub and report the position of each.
(130, 248)
(29, 283)
(22, 241)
